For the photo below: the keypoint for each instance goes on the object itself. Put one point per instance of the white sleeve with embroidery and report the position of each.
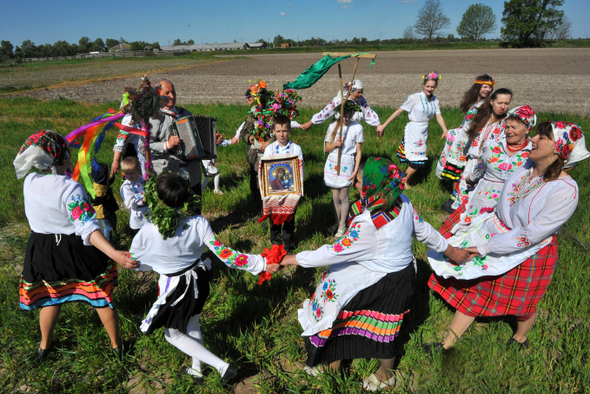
(128, 196)
(254, 264)
(327, 112)
(370, 116)
(425, 233)
(358, 244)
(559, 207)
(408, 104)
(123, 135)
(81, 214)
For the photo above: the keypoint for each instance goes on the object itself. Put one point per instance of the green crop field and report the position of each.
(255, 327)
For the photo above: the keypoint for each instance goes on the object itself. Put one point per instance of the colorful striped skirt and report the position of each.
(368, 324)
(401, 154)
(516, 293)
(445, 229)
(59, 268)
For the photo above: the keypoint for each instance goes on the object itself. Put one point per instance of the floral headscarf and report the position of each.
(570, 142)
(525, 114)
(43, 150)
(382, 186)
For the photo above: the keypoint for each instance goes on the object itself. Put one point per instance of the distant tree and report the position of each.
(177, 42)
(155, 45)
(98, 45)
(191, 42)
(111, 42)
(563, 31)
(29, 49)
(6, 49)
(84, 44)
(45, 50)
(61, 48)
(278, 40)
(431, 19)
(477, 21)
(18, 54)
(409, 34)
(529, 23)
(139, 45)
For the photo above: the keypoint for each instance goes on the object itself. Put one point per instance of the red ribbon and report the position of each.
(273, 256)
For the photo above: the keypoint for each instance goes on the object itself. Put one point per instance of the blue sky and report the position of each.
(47, 21)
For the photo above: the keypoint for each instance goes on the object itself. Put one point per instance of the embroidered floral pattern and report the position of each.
(318, 311)
(417, 217)
(479, 261)
(229, 256)
(328, 294)
(350, 237)
(80, 209)
(523, 241)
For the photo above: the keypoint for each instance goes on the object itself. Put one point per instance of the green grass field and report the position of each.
(255, 327)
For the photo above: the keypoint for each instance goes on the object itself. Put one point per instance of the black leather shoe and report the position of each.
(514, 343)
(230, 374)
(448, 206)
(119, 351)
(197, 379)
(42, 353)
(434, 347)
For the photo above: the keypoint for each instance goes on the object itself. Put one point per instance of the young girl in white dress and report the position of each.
(421, 107)
(350, 146)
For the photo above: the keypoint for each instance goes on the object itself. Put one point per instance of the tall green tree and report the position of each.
(84, 44)
(477, 21)
(111, 42)
(6, 50)
(529, 23)
(431, 19)
(98, 45)
(29, 49)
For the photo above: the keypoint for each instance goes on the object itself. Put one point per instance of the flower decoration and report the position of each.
(144, 102)
(525, 114)
(435, 76)
(349, 106)
(491, 83)
(273, 256)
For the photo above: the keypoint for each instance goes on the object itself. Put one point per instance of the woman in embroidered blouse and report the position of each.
(371, 276)
(487, 124)
(421, 108)
(498, 160)
(452, 160)
(356, 94)
(517, 244)
(67, 257)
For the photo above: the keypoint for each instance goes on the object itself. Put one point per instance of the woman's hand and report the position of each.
(460, 256)
(353, 176)
(473, 250)
(444, 135)
(272, 268)
(380, 130)
(338, 142)
(124, 259)
(306, 125)
(289, 259)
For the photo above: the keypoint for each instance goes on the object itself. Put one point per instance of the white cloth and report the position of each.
(366, 112)
(351, 135)
(290, 149)
(132, 194)
(175, 254)
(493, 168)
(531, 210)
(360, 258)
(420, 111)
(133, 139)
(56, 204)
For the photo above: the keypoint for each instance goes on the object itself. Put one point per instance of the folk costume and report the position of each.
(280, 209)
(360, 303)
(453, 157)
(130, 144)
(184, 281)
(496, 163)
(133, 194)
(351, 135)
(61, 265)
(412, 148)
(365, 111)
(517, 243)
(104, 202)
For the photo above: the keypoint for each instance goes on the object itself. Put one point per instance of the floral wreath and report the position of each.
(349, 106)
(492, 83)
(167, 218)
(144, 102)
(284, 103)
(437, 77)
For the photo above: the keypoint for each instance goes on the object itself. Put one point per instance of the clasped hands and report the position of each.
(461, 256)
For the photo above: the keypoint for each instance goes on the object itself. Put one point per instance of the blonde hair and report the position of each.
(130, 163)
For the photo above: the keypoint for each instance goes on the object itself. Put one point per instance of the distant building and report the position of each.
(285, 45)
(120, 48)
(213, 47)
(256, 45)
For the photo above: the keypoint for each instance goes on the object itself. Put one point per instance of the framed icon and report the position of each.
(280, 176)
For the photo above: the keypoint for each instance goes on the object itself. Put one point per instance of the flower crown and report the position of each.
(349, 106)
(144, 102)
(491, 83)
(437, 77)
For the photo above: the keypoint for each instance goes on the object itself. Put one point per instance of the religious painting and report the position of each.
(281, 176)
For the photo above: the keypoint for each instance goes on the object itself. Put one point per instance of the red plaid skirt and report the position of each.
(445, 229)
(515, 293)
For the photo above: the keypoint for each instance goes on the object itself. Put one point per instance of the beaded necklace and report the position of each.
(516, 147)
(520, 190)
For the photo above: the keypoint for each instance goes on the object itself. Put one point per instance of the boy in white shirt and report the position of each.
(132, 193)
(283, 233)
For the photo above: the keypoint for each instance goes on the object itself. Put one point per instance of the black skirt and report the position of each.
(59, 268)
(367, 326)
(177, 316)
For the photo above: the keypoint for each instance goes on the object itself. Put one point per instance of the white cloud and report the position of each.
(346, 6)
(282, 13)
(344, 1)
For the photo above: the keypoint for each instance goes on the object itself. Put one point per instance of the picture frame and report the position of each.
(280, 176)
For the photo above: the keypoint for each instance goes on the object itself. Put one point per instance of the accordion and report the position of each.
(197, 138)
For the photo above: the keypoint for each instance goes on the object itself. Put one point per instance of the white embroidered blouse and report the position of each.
(419, 109)
(351, 135)
(366, 112)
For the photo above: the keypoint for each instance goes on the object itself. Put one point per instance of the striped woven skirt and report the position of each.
(516, 293)
(368, 324)
(59, 268)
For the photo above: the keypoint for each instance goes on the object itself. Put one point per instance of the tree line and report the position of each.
(526, 23)
(28, 49)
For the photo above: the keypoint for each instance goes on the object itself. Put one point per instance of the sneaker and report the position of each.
(373, 384)
(313, 371)
(340, 232)
(332, 229)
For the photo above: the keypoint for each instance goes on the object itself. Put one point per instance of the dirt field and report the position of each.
(546, 79)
